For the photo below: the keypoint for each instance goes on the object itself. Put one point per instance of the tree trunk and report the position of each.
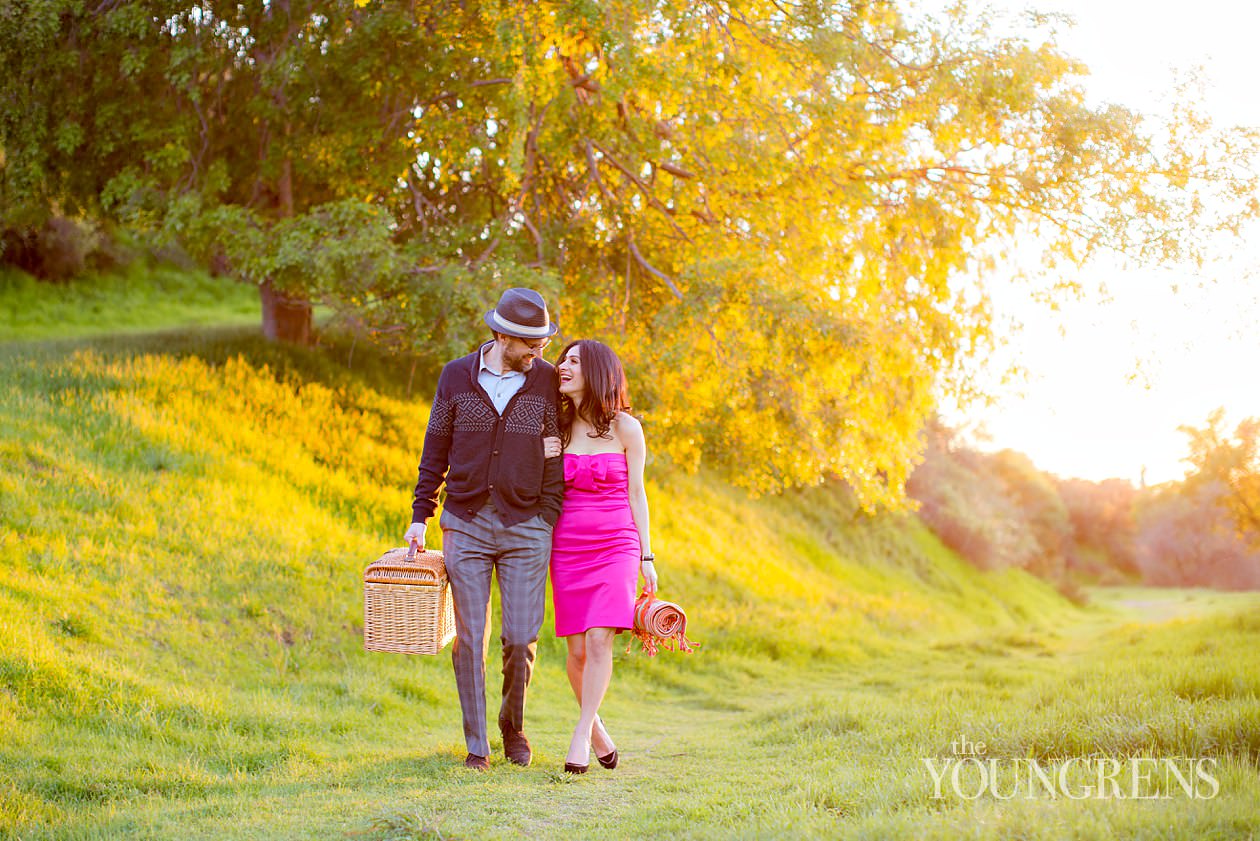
(285, 319)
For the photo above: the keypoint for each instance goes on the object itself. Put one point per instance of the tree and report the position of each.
(1187, 537)
(235, 127)
(965, 499)
(1103, 527)
(766, 207)
(1230, 466)
(1040, 510)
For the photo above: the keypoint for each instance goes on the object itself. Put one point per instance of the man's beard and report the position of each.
(520, 364)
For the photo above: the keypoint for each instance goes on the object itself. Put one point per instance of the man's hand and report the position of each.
(551, 447)
(415, 536)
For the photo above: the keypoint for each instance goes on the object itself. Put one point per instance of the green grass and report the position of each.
(184, 519)
(144, 297)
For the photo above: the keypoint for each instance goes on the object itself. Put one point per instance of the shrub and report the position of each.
(60, 249)
(1185, 536)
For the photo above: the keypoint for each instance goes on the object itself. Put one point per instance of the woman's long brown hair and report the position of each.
(606, 391)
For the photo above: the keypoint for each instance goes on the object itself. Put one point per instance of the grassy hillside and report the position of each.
(140, 298)
(184, 520)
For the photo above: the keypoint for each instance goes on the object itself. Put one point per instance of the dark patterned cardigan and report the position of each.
(482, 455)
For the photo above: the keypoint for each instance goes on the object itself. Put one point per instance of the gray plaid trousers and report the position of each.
(519, 555)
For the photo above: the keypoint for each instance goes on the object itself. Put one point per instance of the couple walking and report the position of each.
(501, 417)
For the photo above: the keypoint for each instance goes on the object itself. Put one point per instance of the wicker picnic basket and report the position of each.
(407, 606)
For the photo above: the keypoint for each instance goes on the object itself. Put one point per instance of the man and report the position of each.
(503, 498)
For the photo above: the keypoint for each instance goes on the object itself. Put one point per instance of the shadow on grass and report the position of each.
(335, 361)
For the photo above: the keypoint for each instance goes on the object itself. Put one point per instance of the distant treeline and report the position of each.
(998, 510)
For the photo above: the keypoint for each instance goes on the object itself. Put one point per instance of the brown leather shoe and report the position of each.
(516, 747)
(477, 763)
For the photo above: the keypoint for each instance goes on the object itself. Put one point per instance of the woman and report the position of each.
(601, 543)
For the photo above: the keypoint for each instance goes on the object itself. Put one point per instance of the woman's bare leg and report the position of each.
(596, 675)
(575, 663)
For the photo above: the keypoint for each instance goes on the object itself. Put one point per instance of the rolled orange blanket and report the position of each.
(658, 623)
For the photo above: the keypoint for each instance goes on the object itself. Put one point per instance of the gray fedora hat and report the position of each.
(522, 313)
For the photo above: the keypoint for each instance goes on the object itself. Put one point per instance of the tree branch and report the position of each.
(643, 188)
(676, 171)
(648, 267)
(485, 255)
(421, 204)
(539, 255)
(480, 83)
(593, 166)
(655, 272)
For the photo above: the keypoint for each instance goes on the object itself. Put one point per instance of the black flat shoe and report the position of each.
(574, 768)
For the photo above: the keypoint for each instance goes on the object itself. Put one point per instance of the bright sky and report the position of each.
(1109, 383)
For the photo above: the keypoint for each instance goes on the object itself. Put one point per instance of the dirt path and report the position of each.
(1155, 606)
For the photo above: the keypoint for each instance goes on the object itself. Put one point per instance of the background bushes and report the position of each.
(61, 248)
(998, 510)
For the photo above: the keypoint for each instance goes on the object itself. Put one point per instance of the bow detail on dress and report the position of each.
(585, 473)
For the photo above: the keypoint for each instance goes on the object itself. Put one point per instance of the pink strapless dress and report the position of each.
(595, 546)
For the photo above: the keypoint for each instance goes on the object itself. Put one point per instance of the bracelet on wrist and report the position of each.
(647, 559)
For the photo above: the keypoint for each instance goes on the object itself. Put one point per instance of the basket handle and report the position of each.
(378, 573)
(413, 549)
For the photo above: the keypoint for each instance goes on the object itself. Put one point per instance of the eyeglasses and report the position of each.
(534, 346)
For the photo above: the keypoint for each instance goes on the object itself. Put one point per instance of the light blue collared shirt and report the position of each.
(500, 387)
